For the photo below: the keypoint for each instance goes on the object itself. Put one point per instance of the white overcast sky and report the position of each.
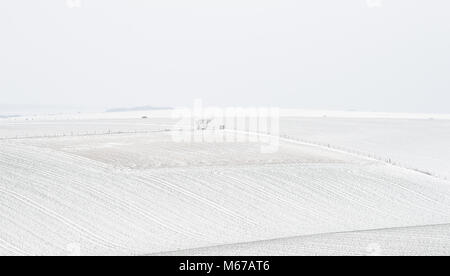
(288, 53)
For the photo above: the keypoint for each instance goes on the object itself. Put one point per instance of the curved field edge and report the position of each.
(431, 240)
(53, 202)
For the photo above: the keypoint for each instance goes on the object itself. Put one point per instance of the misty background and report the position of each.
(367, 55)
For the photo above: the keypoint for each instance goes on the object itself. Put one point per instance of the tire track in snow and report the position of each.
(256, 188)
(90, 235)
(125, 205)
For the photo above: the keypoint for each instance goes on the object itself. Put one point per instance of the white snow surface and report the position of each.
(122, 186)
(420, 144)
(431, 240)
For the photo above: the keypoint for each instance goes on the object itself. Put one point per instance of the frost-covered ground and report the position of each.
(409, 241)
(121, 185)
(421, 144)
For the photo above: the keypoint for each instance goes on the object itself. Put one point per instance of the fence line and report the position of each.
(326, 145)
(84, 134)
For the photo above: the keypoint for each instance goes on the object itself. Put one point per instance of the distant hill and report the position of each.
(138, 108)
(8, 116)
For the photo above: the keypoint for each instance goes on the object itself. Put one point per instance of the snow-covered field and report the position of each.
(421, 144)
(409, 241)
(106, 185)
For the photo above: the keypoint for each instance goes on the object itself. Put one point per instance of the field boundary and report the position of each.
(283, 137)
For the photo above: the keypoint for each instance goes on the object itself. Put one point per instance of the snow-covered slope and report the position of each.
(421, 144)
(433, 240)
(144, 193)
